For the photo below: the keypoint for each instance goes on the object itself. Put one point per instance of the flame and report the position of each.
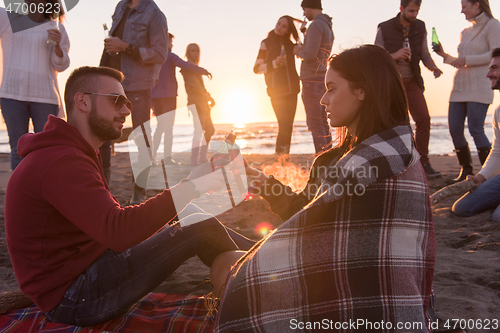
(290, 174)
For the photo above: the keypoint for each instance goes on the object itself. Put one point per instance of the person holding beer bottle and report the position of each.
(277, 62)
(405, 38)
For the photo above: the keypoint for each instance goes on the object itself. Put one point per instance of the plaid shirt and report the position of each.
(344, 258)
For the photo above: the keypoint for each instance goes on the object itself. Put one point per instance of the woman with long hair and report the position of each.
(277, 62)
(358, 241)
(199, 103)
(472, 95)
(35, 49)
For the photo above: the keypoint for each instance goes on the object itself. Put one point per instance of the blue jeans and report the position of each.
(316, 119)
(475, 114)
(485, 197)
(165, 118)
(17, 116)
(115, 281)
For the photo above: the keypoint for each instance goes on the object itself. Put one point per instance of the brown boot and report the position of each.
(465, 161)
(483, 153)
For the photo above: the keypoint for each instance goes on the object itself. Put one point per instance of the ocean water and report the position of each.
(260, 138)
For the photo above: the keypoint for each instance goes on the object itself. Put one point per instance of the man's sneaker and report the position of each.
(430, 172)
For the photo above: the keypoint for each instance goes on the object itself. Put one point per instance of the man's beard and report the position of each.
(101, 127)
(409, 19)
(496, 86)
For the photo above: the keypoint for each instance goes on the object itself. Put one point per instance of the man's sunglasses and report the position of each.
(120, 100)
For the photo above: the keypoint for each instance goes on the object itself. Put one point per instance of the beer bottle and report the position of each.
(436, 46)
(406, 44)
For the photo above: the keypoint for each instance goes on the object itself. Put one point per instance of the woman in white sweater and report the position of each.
(28, 84)
(472, 94)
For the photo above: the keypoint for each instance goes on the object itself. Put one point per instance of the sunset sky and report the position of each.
(229, 33)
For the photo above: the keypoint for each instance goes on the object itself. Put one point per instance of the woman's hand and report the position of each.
(256, 178)
(459, 62)
(280, 61)
(56, 36)
(440, 51)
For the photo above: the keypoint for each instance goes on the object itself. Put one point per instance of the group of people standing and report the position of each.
(469, 99)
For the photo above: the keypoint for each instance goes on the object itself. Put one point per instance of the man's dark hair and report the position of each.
(405, 3)
(495, 53)
(86, 79)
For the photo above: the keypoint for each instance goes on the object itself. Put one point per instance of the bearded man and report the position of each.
(405, 38)
(81, 257)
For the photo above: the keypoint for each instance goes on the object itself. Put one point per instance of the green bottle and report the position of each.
(436, 46)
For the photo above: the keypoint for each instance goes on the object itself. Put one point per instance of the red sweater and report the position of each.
(60, 216)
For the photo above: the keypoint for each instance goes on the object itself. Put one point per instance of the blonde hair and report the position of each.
(188, 49)
(484, 5)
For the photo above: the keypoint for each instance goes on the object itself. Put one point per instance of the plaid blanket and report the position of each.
(348, 261)
(154, 313)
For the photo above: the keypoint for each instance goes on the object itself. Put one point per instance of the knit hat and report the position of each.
(315, 4)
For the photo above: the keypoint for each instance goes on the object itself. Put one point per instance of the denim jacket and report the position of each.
(146, 28)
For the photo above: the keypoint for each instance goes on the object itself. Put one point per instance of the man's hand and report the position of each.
(303, 27)
(437, 72)
(478, 179)
(297, 48)
(459, 62)
(402, 53)
(207, 178)
(115, 45)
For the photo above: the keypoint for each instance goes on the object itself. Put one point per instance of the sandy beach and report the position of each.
(467, 274)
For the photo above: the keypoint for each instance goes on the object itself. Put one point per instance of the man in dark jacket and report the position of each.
(314, 53)
(405, 38)
(81, 257)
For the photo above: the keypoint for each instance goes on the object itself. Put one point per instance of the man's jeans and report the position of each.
(475, 114)
(420, 114)
(486, 196)
(312, 92)
(17, 116)
(115, 281)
